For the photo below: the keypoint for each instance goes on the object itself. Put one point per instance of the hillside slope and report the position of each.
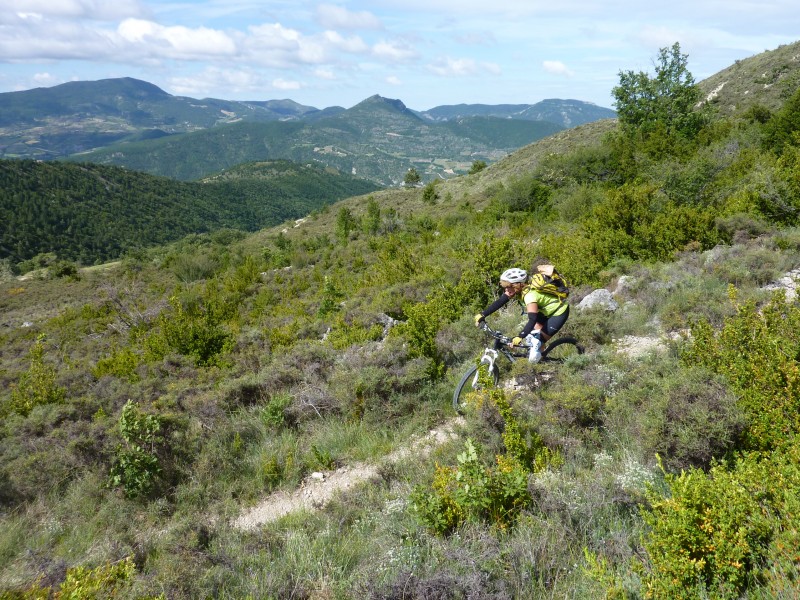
(151, 410)
(90, 213)
(767, 79)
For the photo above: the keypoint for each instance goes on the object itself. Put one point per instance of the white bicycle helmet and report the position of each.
(514, 275)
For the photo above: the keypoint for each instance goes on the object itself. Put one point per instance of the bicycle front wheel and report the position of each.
(561, 349)
(470, 383)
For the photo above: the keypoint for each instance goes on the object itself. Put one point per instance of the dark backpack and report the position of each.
(549, 281)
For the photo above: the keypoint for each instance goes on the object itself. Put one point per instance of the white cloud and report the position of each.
(462, 67)
(353, 45)
(203, 84)
(282, 84)
(98, 10)
(44, 79)
(336, 17)
(274, 45)
(178, 41)
(658, 37)
(393, 80)
(556, 67)
(395, 51)
(32, 40)
(325, 74)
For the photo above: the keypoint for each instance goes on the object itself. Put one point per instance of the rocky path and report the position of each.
(319, 488)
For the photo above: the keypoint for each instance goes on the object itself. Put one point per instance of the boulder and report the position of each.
(601, 298)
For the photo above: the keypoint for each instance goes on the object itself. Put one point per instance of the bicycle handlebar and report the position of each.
(503, 339)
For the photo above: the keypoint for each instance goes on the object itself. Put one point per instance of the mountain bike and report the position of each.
(556, 350)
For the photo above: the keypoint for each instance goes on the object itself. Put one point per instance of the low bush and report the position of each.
(717, 534)
(473, 492)
(756, 352)
(109, 580)
(682, 414)
(35, 387)
(136, 466)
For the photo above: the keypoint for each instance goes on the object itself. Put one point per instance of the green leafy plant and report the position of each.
(667, 100)
(756, 352)
(331, 298)
(476, 167)
(429, 193)
(109, 580)
(136, 466)
(475, 492)
(714, 533)
(193, 329)
(273, 413)
(322, 458)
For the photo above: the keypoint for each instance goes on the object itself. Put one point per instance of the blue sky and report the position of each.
(338, 52)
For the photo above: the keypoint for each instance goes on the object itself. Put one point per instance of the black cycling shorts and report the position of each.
(551, 325)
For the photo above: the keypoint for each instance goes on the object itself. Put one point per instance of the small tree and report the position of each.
(477, 167)
(36, 386)
(371, 221)
(345, 223)
(412, 178)
(429, 194)
(666, 101)
(136, 467)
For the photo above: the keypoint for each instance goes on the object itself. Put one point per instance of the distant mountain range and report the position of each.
(567, 113)
(135, 124)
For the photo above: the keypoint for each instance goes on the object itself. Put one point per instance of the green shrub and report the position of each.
(756, 351)
(525, 194)
(194, 329)
(194, 266)
(576, 202)
(105, 581)
(343, 335)
(474, 492)
(429, 193)
(477, 167)
(682, 414)
(110, 580)
(717, 534)
(122, 363)
(273, 413)
(36, 386)
(331, 298)
(136, 466)
(64, 268)
(635, 222)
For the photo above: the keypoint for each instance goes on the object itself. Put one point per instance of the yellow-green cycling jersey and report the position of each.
(549, 306)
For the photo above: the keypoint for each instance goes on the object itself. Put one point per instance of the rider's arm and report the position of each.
(496, 305)
(533, 312)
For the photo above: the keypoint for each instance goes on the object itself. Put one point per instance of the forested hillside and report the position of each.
(378, 139)
(147, 407)
(91, 213)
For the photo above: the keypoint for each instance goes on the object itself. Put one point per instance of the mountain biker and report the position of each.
(546, 314)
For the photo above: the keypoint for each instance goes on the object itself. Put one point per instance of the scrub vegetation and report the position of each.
(146, 405)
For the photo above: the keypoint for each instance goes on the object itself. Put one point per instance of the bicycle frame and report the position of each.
(502, 347)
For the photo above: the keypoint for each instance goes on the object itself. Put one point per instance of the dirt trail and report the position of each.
(318, 489)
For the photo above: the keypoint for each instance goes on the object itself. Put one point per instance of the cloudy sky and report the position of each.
(339, 52)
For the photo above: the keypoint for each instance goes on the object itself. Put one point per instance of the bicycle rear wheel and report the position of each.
(561, 349)
(469, 383)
